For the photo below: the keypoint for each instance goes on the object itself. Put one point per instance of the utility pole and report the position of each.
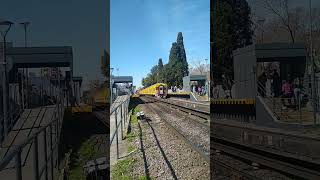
(261, 23)
(314, 98)
(6, 25)
(25, 26)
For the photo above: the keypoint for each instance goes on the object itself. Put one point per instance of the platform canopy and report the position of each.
(276, 52)
(122, 79)
(198, 77)
(37, 57)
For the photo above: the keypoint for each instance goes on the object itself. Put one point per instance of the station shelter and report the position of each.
(121, 85)
(191, 81)
(289, 60)
(29, 83)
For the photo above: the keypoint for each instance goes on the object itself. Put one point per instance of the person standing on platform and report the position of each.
(262, 84)
(276, 84)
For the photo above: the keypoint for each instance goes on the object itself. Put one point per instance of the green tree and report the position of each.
(173, 72)
(151, 78)
(160, 74)
(177, 66)
(233, 31)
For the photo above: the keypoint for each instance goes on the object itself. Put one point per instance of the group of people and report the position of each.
(271, 85)
(200, 90)
(175, 88)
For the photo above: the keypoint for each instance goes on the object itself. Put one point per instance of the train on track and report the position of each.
(97, 98)
(100, 99)
(159, 90)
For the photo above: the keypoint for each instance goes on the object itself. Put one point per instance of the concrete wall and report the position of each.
(244, 70)
(186, 83)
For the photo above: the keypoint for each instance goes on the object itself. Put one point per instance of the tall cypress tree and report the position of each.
(177, 67)
(182, 54)
(160, 71)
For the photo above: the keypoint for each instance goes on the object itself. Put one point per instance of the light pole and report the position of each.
(312, 68)
(4, 29)
(111, 86)
(25, 26)
(261, 22)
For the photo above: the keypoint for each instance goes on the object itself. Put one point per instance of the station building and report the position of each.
(194, 80)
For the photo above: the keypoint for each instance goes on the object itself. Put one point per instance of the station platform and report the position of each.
(179, 93)
(122, 143)
(29, 122)
(81, 108)
(233, 101)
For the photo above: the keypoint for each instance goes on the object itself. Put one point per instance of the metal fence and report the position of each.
(48, 135)
(301, 106)
(120, 112)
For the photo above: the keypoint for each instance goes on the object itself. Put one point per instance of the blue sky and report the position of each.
(142, 31)
(77, 23)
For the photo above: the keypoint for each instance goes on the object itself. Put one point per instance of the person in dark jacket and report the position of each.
(276, 83)
(262, 84)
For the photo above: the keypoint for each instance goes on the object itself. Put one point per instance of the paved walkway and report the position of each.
(122, 143)
(29, 122)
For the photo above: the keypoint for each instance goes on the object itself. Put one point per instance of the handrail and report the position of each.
(280, 115)
(16, 151)
(124, 111)
(113, 110)
(118, 124)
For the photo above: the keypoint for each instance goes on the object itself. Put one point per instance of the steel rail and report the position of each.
(188, 142)
(201, 123)
(195, 112)
(225, 165)
(292, 166)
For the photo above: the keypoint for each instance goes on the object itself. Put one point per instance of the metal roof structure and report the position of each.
(122, 79)
(35, 57)
(197, 77)
(270, 52)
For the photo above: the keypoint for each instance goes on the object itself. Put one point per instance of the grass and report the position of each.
(122, 169)
(130, 149)
(85, 153)
(134, 120)
(131, 137)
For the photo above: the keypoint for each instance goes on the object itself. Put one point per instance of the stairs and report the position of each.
(290, 114)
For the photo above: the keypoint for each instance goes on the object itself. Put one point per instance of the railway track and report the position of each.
(290, 166)
(291, 154)
(197, 109)
(204, 154)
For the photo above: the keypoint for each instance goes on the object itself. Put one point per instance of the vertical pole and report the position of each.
(56, 139)
(36, 159)
(4, 87)
(45, 154)
(116, 114)
(25, 25)
(18, 165)
(121, 119)
(313, 68)
(22, 89)
(27, 89)
(51, 151)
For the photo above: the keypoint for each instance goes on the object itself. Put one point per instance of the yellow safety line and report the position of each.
(233, 101)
